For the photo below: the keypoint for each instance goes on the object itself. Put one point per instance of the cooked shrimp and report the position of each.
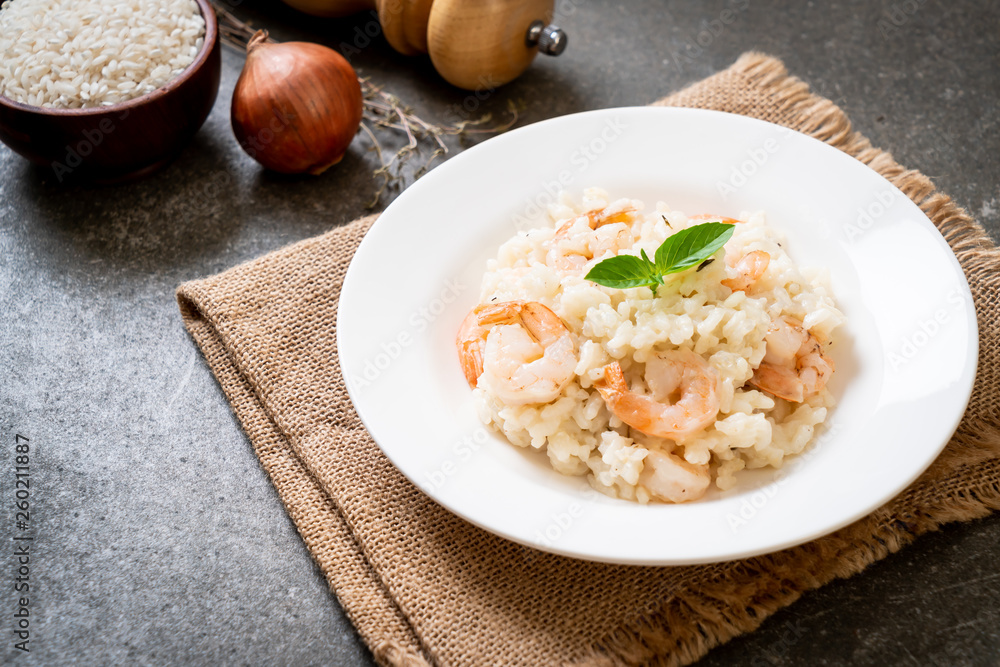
(609, 232)
(519, 350)
(720, 218)
(670, 478)
(598, 218)
(680, 373)
(749, 269)
(601, 216)
(471, 340)
(794, 367)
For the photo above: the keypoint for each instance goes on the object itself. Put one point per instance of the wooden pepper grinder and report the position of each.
(474, 44)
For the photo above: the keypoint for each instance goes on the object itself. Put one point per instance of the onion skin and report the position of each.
(296, 106)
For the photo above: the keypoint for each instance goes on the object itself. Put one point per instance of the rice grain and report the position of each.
(73, 54)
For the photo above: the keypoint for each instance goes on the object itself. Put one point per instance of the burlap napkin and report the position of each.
(423, 586)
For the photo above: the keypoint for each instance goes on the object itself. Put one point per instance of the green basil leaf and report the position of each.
(622, 272)
(691, 246)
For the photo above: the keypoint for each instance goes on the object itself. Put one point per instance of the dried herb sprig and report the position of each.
(385, 111)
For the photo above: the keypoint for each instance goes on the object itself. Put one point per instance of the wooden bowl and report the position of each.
(121, 141)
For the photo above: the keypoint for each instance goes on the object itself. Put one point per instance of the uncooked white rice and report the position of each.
(73, 54)
(580, 435)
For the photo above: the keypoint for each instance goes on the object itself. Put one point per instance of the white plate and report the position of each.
(905, 361)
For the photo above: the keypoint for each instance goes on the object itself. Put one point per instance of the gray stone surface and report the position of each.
(159, 540)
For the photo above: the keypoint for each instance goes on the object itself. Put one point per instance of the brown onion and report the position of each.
(296, 106)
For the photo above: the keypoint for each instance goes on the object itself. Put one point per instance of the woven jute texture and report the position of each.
(424, 587)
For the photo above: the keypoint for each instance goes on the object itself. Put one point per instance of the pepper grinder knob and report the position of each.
(550, 39)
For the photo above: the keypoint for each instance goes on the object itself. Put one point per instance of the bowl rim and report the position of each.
(208, 45)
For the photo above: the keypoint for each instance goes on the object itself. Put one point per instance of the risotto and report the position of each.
(652, 396)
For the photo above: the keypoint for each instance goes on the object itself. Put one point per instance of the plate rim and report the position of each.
(447, 167)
